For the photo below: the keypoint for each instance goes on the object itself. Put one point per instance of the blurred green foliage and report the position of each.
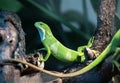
(13, 5)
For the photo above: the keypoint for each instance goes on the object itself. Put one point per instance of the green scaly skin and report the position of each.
(54, 47)
(113, 47)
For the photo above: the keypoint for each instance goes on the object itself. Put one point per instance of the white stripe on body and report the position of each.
(68, 55)
(54, 47)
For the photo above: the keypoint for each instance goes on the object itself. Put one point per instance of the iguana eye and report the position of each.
(41, 24)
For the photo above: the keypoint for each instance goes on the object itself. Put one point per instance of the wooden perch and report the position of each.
(105, 26)
(10, 26)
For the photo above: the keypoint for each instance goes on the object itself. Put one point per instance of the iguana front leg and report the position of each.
(85, 50)
(82, 48)
(47, 55)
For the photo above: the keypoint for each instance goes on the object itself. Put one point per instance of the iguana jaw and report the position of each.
(40, 30)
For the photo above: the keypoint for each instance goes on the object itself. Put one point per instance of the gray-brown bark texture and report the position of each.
(105, 25)
(11, 44)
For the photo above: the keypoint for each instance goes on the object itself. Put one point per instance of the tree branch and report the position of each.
(105, 25)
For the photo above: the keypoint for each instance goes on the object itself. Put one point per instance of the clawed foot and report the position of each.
(92, 54)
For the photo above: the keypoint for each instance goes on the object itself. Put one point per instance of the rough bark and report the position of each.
(105, 25)
(12, 45)
(9, 29)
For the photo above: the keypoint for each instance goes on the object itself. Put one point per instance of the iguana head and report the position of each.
(43, 30)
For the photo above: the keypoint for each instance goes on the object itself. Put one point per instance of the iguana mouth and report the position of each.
(42, 33)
